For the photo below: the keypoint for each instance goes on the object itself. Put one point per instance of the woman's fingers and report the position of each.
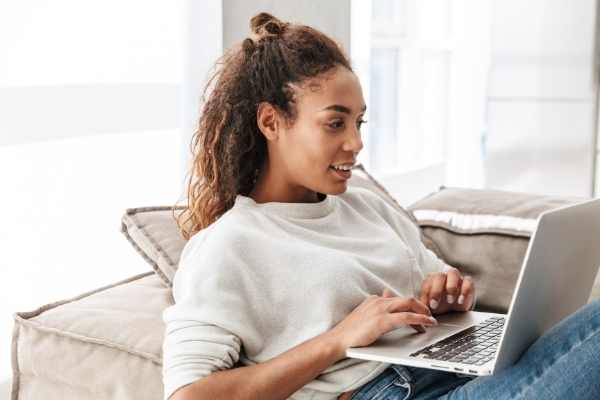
(403, 304)
(453, 286)
(410, 304)
(447, 291)
(425, 288)
(467, 291)
(438, 285)
(409, 318)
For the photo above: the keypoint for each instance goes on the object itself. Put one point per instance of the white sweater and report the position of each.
(266, 277)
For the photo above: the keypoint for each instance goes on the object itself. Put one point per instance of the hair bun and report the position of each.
(265, 24)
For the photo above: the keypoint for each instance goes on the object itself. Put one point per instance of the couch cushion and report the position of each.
(485, 233)
(104, 344)
(153, 231)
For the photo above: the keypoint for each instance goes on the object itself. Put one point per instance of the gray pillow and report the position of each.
(153, 231)
(485, 234)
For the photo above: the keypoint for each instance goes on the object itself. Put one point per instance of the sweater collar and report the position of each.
(293, 210)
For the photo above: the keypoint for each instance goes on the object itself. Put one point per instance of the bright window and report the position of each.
(423, 65)
(409, 51)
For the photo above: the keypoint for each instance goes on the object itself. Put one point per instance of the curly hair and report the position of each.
(227, 147)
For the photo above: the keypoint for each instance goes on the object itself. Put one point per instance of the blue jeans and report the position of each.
(564, 363)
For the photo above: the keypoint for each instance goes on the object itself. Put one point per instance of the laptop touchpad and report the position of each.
(407, 340)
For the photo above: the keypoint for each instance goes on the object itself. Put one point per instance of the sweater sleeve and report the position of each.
(196, 343)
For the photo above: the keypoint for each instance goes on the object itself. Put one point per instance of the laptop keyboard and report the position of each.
(475, 345)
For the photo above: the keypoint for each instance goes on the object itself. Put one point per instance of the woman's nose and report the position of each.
(354, 143)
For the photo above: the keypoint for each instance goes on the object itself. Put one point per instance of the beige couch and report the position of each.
(106, 344)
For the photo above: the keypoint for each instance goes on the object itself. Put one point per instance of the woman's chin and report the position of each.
(340, 188)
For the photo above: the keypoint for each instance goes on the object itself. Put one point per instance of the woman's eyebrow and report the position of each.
(341, 108)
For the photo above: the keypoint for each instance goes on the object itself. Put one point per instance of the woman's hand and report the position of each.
(377, 315)
(447, 291)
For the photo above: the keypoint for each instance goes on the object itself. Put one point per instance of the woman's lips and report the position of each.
(341, 174)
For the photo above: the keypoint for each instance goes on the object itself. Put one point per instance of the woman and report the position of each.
(286, 266)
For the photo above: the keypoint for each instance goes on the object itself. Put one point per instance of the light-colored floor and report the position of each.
(4, 390)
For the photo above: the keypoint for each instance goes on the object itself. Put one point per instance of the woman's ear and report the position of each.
(267, 119)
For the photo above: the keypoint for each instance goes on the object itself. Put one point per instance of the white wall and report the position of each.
(73, 68)
(89, 126)
(202, 38)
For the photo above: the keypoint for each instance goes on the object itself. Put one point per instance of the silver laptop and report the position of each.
(556, 279)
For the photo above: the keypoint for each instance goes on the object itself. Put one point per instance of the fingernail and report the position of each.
(433, 320)
(450, 299)
(461, 299)
(433, 303)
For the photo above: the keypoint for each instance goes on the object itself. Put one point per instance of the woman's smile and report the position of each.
(341, 173)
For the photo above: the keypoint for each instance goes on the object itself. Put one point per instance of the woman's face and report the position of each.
(326, 132)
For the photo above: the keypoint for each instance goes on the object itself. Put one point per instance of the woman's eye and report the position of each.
(336, 124)
(339, 124)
